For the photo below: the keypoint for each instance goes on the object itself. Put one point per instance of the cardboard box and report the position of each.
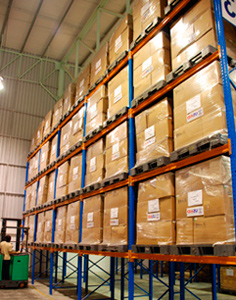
(31, 229)
(48, 226)
(118, 92)
(75, 173)
(28, 198)
(115, 224)
(228, 278)
(57, 114)
(60, 229)
(47, 123)
(154, 132)
(53, 152)
(72, 223)
(33, 195)
(77, 127)
(151, 63)
(144, 12)
(117, 151)
(195, 30)
(62, 180)
(184, 231)
(92, 231)
(157, 187)
(35, 165)
(51, 184)
(45, 155)
(33, 141)
(69, 98)
(39, 134)
(83, 82)
(43, 190)
(99, 64)
(121, 39)
(40, 228)
(97, 109)
(95, 163)
(65, 137)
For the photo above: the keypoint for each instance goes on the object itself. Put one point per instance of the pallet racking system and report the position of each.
(131, 181)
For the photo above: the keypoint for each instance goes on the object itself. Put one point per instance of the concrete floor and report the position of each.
(40, 291)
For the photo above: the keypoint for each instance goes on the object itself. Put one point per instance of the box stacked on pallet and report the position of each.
(69, 98)
(83, 82)
(45, 155)
(31, 229)
(26, 224)
(228, 278)
(48, 226)
(117, 152)
(35, 164)
(115, 224)
(57, 114)
(28, 198)
(144, 12)
(60, 229)
(40, 228)
(33, 141)
(195, 30)
(33, 194)
(65, 137)
(62, 182)
(51, 184)
(47, 123)
(75, 173)
(77, 127)
(121, 39)
(42, 190)
(39, 135)
(92, 220)
(72, 223)
(203, 201)
(99, 64)
(96, 109)
(154, 132)
(95, 165)
(156, 211)
(53, 152)
(118, 92)
(199, 111)
(151, 63)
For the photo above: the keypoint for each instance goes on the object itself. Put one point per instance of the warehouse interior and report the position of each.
(117, 149)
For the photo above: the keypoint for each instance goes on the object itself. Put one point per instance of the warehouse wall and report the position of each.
(23, 104)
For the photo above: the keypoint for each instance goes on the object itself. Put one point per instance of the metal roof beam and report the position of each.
(58, 26)
(112, 13)
(6, 19)
(32, 25)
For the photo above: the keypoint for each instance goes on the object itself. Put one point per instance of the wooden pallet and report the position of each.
(113, 248)
(151, 249)
(114, 179)
(150, 165)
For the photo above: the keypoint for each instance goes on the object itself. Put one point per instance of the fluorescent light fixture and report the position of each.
(1, 83)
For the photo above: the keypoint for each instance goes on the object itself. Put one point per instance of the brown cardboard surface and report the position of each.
(69, 98)
(99, 64)
(228, 277)
(28, 198)
(75, 173)
(65, 137)
(117, 134)
(72, 223)
(121, 38)
(96, 122)
(92, 220)
(60, 228)
(83, 82)
(33, 195)
(58, 110)
(144, 12)
(45, 155)
(31, 229)
(62, 179)
(95, 149)
(115, 222)
(118, 92)
(47, 123)
(39, 134)
(40, 228)
(43, 190)
(53, 152)
(77, 127)
(157, 187)
(48, 226)
(51, 183)
(33, 141)
(117, 166)
(184, 231)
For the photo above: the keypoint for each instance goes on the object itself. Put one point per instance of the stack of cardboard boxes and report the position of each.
(47, 123)
(42, 190)
(48, 217)
(76, 134)
(40, 228)
(75, 173)
(51, 184)
(57, 113)
(99, 64)
(53, 152)
(62, 182)
(45, 155)
(31, 222)
(72, 223)
(83, 82)
(69, 98)
(65, 137)
(60, 229)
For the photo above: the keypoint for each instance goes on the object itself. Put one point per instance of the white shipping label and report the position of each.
(92, 166)
(149, 132)
(193, 104)
(118, 43)
(229, 10)
(114, 213)
(56, 112)
(59, 224)
(147, 67)
(117, 94)
(98, 66)
(90, 225)
(114, 222)
(195, 198)
(153, 217)
(53, 149)
(145, 11)
(115, 148)
(46, 125)
(90, 217)
(153, 206)
(81, 83)
(93, 111)
(149, 142)
(72, 222)
(195, 211)
(40, 190)
(75, 170)
(48, 226)
(43, 157)
(194, 115)
(229, 272)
